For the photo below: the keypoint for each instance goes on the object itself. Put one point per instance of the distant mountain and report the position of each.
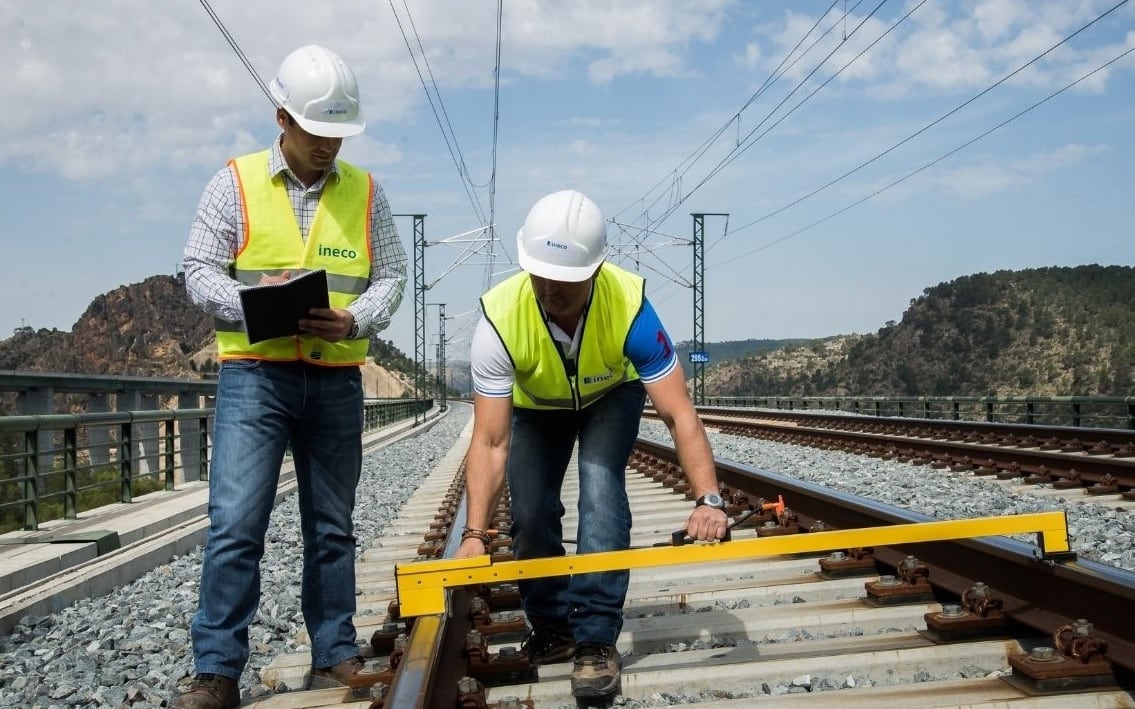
(1047, 331)
(145, 329)
(732, 349)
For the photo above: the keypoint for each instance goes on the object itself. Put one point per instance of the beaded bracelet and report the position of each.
(477, 534)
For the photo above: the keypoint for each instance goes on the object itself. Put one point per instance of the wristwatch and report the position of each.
(711, 499)
(353, 333)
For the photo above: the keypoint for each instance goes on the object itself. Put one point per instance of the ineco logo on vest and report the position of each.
(337, 252)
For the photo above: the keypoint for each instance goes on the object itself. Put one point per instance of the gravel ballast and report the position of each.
(130, 648)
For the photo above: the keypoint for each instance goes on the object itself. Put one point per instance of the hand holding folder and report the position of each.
(274, 310)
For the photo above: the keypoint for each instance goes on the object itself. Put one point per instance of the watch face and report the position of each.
(712, 499)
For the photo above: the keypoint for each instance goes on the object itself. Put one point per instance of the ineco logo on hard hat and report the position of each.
(555, 245)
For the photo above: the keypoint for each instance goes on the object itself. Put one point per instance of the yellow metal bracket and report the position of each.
(422, 584)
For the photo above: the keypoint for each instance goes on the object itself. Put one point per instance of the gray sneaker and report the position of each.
(596, 671)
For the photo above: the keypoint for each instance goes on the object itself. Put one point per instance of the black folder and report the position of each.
(274, 310)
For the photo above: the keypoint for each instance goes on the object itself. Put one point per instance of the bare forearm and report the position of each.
(694, 454)
(484, 481)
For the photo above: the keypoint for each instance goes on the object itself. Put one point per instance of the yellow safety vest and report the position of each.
(339, 242)
(542, 377)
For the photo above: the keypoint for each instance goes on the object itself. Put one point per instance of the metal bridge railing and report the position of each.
(1088, 411)
(54, 466)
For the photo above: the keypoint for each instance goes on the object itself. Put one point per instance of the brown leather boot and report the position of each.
(209, 691)
(348, 673)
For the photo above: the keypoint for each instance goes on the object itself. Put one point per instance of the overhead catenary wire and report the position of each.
(926, 166)
(236, 48)
(450, 142)
(781, 69)
(496, 136)
(737, 153)
(676, 174)
(749, 141)
(931, 124)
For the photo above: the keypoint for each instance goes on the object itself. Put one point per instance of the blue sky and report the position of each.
(118, 112)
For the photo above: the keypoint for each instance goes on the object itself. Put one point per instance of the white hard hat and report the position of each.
(320, 92)
(564, 237)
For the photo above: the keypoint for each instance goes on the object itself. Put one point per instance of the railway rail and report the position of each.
(920, 623)
(1097, 461)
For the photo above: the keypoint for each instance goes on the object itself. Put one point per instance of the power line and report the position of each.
(928, 126)
(240, 55)
(638, 234)
(746, 143)
(776, 74)
(730, 158)
(496, 125)
(454, 148)
(937, 160)
(696, 155)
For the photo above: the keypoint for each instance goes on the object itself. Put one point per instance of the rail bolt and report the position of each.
(1043, 654)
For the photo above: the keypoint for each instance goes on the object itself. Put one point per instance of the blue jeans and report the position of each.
(539, 452)
(262, 407)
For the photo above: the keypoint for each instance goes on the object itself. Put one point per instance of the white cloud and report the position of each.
(751, 58)
(155, 68)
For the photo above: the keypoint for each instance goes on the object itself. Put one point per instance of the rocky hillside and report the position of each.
(151, 329)
(1048, 332)
(145, 329)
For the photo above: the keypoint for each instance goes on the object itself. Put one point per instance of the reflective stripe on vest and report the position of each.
(339, 242)
(542, 380)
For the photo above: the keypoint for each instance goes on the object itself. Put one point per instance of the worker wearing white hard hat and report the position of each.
(317, 88)
(264, 219)
(564, 355)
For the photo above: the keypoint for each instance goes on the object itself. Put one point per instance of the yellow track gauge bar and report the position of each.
(422, 584)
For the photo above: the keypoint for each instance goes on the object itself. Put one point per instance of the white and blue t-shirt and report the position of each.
(648, 347)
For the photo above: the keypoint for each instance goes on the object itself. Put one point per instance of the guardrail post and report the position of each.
(125, 461)
(169, 459)
(70, 462)
(31, 481)
(203, 449)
